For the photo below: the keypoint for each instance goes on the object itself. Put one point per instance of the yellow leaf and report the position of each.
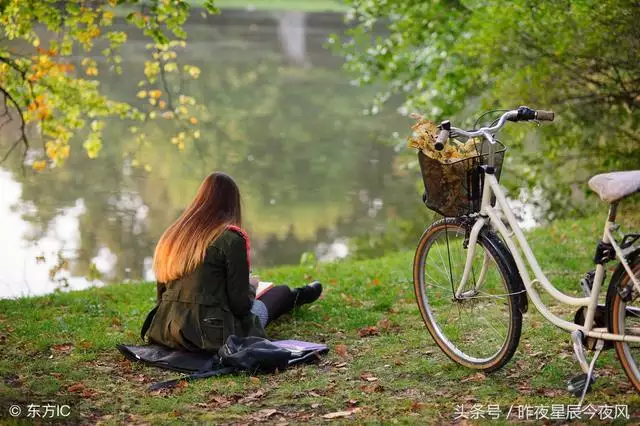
(147, 167)
(36, 42)
(196, 134)
(193, 120)
(39, 165)
(194, 72)
(142, 94)
(155, 94)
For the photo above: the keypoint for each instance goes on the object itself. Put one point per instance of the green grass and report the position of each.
(60, 349)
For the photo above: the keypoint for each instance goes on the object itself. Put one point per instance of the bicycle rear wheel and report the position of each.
(624, 318)
(481, 328)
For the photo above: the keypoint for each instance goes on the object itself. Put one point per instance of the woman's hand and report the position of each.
(254, 281)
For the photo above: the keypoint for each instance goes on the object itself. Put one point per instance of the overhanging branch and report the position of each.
(23, 131)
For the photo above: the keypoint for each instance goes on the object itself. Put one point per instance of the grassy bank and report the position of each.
(59, 349)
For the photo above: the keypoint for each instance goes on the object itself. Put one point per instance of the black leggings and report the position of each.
(279, 300)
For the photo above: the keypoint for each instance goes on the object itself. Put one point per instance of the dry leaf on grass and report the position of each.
(63, 348)
(264, 414)
(368, 331)
(338, 414)
(368, 377)
(252, 397)
(372, 388)
(78, 387)
(476, 377)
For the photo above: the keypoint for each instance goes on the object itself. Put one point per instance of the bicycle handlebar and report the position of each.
(545, 115)
(521, 114)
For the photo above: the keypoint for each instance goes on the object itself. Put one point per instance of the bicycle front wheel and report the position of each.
(624, 318)
(480, 327)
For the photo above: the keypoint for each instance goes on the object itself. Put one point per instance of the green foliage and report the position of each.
(459, 57)
(47, 93)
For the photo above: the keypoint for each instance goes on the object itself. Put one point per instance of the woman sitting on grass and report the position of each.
(202, 265)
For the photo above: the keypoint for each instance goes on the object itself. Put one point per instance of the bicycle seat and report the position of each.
(614, 186)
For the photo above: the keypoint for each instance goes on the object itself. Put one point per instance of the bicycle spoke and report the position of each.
(479, 323)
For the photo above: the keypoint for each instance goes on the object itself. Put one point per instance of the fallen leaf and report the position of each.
(254, 380)
(202, 405)
(63, 348)
(182, 384)
(314, 394)
(341, 350)
(337, 414)
(220, 401)
(416, 406)
(368, 377)
(342, 364)
(477, 377)
(315, 405)
(78, 387)
(88, 393)
(352, 402)
(368, 331)
(252, 397)
(266, 413)
(372, 388)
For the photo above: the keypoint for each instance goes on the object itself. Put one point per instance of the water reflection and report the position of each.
(283, 121)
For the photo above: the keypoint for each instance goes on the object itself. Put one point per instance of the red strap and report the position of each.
(246, 239)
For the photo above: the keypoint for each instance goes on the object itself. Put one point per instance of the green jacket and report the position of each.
(200, 310)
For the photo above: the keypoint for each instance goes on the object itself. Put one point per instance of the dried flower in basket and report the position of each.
(424, 136)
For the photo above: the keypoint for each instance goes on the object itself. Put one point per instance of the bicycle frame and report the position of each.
(492, 187)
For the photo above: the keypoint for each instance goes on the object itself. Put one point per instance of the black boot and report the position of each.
(307, 294)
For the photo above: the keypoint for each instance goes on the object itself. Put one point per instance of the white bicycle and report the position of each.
(471, 281)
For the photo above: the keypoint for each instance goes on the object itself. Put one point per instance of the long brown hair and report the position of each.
(183, 245)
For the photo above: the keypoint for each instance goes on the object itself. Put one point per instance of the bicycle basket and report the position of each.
(455, 188)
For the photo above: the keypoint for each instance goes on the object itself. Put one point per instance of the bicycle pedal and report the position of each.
(577, 384)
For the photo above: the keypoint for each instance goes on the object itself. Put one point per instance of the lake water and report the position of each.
(285, 122)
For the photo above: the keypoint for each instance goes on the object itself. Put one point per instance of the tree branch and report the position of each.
(23, 133)
(165, 83)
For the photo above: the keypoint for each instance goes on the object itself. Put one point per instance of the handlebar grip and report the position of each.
(545, 115)
(443, 137)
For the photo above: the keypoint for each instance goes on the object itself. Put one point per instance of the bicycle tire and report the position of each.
(517, 300)
(617, 309)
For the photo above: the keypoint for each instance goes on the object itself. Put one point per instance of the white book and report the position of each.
(263, 286)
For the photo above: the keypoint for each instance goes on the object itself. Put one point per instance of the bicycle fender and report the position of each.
(497, 243)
